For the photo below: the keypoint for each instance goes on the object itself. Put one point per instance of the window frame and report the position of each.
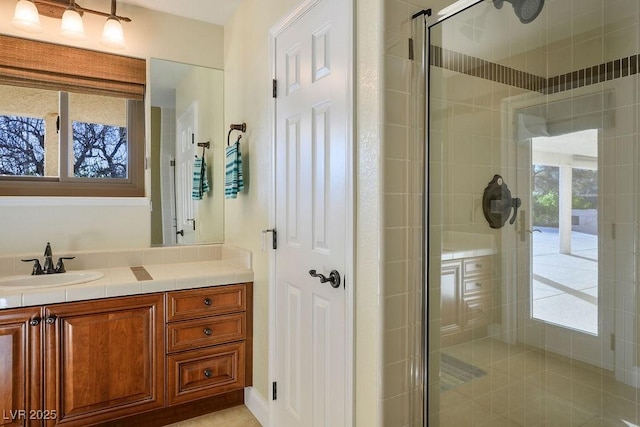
(42, 65)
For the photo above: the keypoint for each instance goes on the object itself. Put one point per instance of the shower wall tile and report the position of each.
(620, 14)
(398, 146)
(621, 43)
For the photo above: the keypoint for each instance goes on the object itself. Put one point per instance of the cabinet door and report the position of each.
(20, 367)
(450, 298)
(104, 359)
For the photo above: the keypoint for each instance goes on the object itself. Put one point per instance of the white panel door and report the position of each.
(185, 155)
(311, 137)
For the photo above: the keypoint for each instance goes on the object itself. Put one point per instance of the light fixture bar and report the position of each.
(55, 9)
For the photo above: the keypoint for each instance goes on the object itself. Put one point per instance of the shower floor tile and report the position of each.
(531, 387)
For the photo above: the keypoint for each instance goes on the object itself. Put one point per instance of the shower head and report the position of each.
(526, 10)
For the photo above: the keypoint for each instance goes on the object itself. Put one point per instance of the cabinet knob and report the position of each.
(35, 321)
(207, 302)
(207, 373)
(478, 285)
(51, 320)
(207, 331)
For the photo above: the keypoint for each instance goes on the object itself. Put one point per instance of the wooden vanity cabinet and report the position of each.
(20, 366)
(207, 334)
(126, 361)
(104, 359)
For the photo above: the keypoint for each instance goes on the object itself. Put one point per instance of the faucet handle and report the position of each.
(60, 265)
(37, 268)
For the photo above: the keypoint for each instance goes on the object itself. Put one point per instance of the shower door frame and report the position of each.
(430, 21)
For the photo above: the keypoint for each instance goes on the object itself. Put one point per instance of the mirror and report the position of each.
(186, 113)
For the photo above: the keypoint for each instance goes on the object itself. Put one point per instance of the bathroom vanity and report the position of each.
(466, 292)
(151, 358)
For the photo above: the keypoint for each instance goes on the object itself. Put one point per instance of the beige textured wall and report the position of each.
(247, 88)
(150, 34)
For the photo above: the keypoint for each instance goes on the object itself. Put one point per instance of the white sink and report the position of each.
(50, 280)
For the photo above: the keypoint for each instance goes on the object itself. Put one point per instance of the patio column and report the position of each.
(564, 208)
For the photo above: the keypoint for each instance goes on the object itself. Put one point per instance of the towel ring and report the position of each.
(242, 127)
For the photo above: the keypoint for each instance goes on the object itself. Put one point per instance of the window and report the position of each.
(21, 146)
(74, 126)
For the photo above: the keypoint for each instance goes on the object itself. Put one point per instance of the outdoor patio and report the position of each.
(565, 286)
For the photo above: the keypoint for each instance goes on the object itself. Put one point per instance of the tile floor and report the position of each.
(530, 387)
(238, 416)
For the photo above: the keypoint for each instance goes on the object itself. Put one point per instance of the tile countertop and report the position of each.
(120, 281)
(448, 255)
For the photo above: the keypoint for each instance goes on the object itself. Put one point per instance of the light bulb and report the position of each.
(26, 17)
(72, 27)
(113, 34)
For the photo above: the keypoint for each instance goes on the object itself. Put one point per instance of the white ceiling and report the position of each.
(213, 11)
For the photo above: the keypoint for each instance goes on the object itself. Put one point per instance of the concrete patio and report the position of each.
(565, 286)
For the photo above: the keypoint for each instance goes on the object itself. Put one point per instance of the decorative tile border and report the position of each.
(476, 67)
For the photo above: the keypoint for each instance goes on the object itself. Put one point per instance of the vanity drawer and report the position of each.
(478, 265)
(193, 334)
(478, 285)
(186, 305)
(197, 374)
(477, 311)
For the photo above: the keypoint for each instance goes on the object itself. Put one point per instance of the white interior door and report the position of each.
(311, 216)
(185, 155)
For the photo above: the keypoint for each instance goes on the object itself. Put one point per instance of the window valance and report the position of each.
(50, 66)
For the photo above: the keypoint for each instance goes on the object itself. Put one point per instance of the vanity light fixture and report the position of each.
(72, 27)
(26, 18)
(112, 33)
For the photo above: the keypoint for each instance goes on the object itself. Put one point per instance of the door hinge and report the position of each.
(146, 163)
(275, 88)
(612, 344)
(274, 237)
(411, 54)
(172, 162)
(274, 391)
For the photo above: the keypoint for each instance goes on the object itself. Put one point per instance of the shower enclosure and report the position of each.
(532, 214)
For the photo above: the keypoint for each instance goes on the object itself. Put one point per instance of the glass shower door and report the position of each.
(533, 315)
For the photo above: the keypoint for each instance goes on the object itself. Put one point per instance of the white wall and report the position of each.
(68, 227)
(204, 86)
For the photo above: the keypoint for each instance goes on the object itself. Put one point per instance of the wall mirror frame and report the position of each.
(186, 112)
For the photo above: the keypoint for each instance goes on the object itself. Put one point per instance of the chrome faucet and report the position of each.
(48, 267)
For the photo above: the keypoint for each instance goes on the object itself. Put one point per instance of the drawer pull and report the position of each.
(207, 331)
(478, 265)
(207, 302)
(207, 373)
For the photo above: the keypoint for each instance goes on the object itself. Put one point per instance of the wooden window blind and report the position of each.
(50, 66)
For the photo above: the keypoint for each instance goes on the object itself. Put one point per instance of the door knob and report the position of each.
(334, 277)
